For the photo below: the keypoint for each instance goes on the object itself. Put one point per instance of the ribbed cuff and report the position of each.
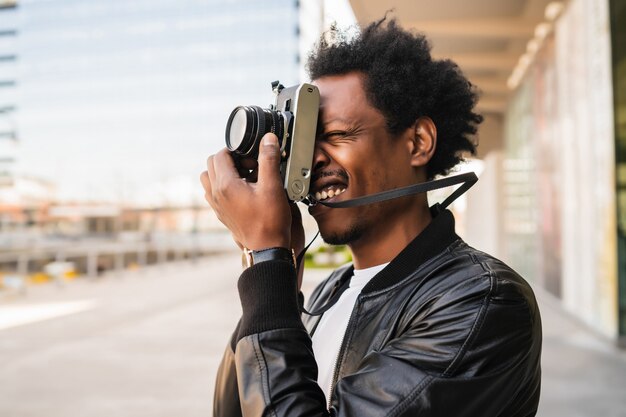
(269, 298)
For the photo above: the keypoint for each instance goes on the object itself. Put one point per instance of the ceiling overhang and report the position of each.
(486, 38)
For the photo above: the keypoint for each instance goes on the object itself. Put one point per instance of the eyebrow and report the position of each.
(337, 119)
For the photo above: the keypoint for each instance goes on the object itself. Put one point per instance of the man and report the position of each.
(421, 324)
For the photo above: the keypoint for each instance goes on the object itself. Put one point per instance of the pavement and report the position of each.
(584, 374)
(148, 343)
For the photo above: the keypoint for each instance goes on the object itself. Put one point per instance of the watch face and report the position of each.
(246, 258)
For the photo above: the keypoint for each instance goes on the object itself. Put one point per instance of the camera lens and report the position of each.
(236, 129)
(247, 125)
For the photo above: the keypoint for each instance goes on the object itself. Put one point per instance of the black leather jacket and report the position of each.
(443, 330)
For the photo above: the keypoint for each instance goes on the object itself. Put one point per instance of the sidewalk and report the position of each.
(148, 342)
(584, 375)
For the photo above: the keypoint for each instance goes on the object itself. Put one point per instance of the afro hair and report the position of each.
(404, 82)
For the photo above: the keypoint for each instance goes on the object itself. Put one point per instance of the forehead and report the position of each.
(343, 96)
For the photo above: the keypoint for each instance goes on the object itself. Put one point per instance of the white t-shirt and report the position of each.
(329, 333)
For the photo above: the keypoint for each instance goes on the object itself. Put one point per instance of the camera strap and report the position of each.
(466, 180)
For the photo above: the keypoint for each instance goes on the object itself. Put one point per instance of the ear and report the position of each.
(423, 142)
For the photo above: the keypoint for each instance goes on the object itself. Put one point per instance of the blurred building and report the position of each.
(121, 102)
(116, 97)
(561, 200)
(119, 105)
(8, 96)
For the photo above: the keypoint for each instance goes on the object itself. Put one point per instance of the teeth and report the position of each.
(331, 192)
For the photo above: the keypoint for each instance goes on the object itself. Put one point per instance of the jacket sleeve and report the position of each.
(467, 356)
(226, 395)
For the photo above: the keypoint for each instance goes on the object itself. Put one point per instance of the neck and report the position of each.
(382, 244)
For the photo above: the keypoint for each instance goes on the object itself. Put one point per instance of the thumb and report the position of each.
(269, 161)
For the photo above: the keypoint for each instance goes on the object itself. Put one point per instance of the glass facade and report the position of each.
(618, 35)
(559, 168)
(119, 97)
(520, 215)
(8, 90)
(532, 175)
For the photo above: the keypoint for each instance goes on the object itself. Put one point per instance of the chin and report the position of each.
(341, 237)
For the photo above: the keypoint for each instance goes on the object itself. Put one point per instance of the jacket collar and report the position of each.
(434, 239)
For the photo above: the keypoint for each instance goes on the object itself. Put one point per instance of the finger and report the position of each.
(209, 167)
(213, 194)
(210, 170)
(269, 160)
(205, 181)
(206, 184)
(224, 166)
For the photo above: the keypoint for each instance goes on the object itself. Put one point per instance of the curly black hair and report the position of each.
(404, 83)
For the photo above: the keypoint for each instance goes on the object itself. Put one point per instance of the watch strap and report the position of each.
(253, 257)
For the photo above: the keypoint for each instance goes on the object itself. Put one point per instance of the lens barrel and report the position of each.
(247, 125)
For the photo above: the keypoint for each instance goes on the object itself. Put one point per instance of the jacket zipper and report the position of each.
(340, 355)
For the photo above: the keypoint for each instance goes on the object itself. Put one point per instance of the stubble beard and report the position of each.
(358, 225)
(344, 237)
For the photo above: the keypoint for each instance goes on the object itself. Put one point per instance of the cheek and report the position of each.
(354, 161)
(370, 167)
(389, 171)
(369, 177)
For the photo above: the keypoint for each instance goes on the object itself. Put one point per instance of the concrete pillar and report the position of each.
(485, 203)
(485, 208)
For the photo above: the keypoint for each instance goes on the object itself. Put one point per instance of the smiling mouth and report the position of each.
(328, 192)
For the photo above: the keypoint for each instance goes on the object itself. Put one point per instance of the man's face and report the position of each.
(356, 156)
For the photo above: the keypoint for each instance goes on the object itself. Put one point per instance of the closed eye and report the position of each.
(338, 135)
(335, 134)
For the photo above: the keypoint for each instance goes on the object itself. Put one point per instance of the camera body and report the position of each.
(293, 118)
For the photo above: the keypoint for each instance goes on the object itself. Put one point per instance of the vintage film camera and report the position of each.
(294, 120)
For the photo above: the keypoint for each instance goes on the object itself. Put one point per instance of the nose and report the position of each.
(321, 158)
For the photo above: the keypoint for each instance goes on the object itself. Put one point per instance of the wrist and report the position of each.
(251, 257)
(266, 241)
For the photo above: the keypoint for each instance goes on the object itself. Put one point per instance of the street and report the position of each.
(148, 343)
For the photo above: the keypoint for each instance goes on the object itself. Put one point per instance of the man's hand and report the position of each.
(297, 238)
(258, 213)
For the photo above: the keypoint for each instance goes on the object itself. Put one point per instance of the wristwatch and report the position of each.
(253, 257)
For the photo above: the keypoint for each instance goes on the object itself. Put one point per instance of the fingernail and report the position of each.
(270, 140)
